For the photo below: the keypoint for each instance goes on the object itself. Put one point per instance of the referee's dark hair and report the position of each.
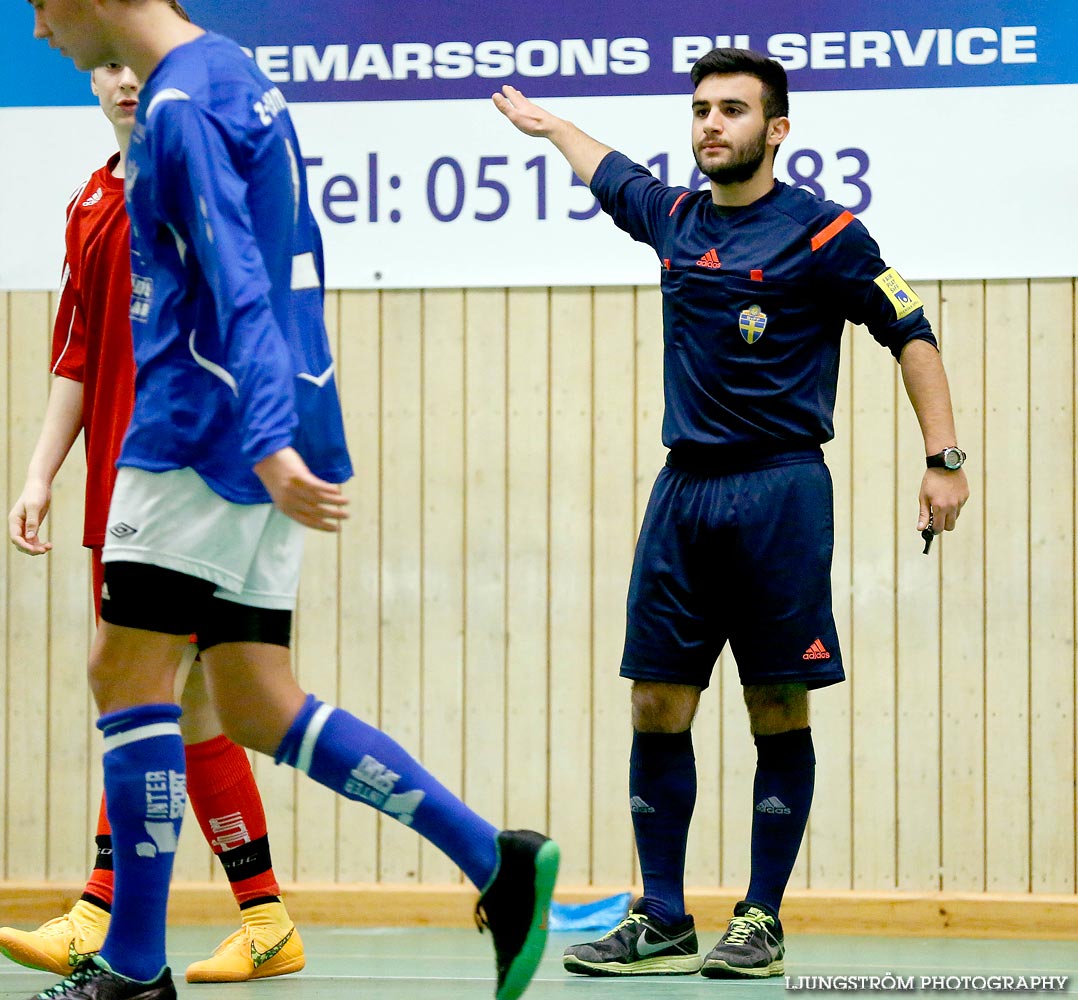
(769, 72)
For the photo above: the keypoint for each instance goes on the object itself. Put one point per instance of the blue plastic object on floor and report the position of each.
(601, 915)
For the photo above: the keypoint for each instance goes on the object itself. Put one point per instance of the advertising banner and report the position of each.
(946, 127)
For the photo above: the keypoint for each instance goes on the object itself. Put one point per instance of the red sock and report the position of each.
(222, 791)
(99, 886)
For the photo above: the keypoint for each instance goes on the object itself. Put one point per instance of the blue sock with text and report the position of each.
(782, 796)
(362, 763)
(662, 796)
(145, 791)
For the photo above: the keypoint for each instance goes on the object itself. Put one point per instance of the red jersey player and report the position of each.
(93, 392)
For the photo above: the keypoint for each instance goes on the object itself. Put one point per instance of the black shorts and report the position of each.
(744, 557)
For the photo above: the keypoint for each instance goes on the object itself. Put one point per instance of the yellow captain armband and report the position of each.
(902, 297)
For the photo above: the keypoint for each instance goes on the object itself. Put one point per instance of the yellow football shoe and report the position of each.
(60, 944)
(267, 944)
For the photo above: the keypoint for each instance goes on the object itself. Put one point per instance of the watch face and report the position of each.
(953, 458)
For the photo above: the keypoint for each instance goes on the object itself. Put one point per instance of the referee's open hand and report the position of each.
(524, 114)
(299, 493)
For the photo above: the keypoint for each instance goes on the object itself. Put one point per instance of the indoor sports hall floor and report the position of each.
(417, 964)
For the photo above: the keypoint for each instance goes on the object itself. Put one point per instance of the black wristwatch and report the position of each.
(949, 458)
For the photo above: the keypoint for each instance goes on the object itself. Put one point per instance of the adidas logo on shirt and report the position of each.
(773, 806)
(710, 260)
(93, 199)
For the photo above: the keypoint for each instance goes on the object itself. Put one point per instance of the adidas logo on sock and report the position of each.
(773, 806)
(638, 805)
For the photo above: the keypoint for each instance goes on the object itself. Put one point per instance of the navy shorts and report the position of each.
(743, 557)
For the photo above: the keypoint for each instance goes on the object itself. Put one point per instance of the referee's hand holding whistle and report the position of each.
(943, 494)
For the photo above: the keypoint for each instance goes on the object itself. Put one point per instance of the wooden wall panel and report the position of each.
(486, 551)
(1006, 598)
(870, 662)
(1051, 585)
(11, 483)
(571, 567)
(359, 368)
(525, 739)
(71, 613)
(401, 555)
(614, 530)
(962, 606)
(828, 840)
(505, 443)
(443, 493)
(28, 602)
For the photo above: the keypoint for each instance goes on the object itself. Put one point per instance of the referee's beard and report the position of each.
(743, 164)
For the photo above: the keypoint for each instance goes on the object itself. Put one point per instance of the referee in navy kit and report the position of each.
(758, 280)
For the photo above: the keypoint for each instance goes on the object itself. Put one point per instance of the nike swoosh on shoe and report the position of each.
(261, 957)
(644, 947)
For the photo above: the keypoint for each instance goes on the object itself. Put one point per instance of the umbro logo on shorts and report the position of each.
(817, 651)
(122, 530)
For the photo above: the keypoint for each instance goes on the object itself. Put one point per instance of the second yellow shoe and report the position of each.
(267, 944)
(60, 944)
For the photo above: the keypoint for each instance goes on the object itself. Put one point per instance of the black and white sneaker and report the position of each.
(94, 980)
(752, 947)
(638, 946)
(515, 905)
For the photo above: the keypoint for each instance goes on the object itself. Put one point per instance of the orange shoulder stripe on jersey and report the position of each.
(831, 231)
(680, 198)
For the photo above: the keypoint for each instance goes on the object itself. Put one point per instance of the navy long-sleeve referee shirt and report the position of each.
(754, 303)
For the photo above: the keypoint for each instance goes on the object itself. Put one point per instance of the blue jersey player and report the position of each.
(235, 442)
(758, 280)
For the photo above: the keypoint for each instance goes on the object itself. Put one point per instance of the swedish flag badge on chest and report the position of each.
(752, 322)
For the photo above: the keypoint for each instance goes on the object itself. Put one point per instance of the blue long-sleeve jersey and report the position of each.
(754, 303)
(227, 280)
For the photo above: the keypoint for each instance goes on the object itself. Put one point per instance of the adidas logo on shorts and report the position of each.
(817, 651)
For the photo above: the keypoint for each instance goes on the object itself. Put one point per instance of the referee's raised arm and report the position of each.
(582, 151)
